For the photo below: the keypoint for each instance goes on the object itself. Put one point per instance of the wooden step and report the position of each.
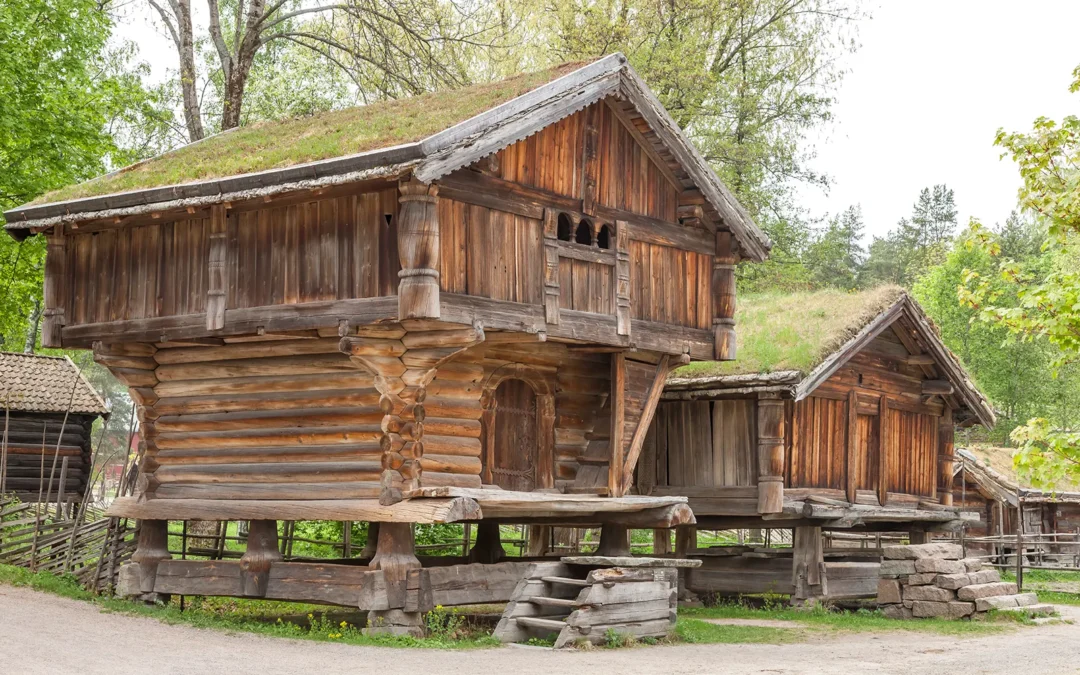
(553, 602)
(555, 625)
(594, 461)
(566, 581)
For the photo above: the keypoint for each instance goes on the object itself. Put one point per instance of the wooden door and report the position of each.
(514, 446)
(866, 453)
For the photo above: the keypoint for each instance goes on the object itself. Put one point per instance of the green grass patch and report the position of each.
(448, 629)
(821, 618)
(1058, 597)
(695, 631)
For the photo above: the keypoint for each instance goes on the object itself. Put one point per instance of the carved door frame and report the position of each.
(545, 420)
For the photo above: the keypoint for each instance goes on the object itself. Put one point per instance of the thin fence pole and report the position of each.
(4, 446)
(1019, 540)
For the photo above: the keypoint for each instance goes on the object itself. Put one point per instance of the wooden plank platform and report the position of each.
(426, 511)
(630, 561)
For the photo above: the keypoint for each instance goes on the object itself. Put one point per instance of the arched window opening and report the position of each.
(603, 240)
(565, 227)
(584, 233)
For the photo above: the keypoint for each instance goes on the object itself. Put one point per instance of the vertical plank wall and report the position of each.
(702, 443)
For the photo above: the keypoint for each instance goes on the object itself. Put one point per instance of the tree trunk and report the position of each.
(32, 329)
(186, 49)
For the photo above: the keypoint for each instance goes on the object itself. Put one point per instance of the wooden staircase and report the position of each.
(575, 603)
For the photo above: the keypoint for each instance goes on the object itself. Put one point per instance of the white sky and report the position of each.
(923, 98)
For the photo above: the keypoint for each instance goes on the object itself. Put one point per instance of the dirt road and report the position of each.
(41, 633)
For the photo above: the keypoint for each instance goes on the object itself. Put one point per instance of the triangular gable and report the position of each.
(438, 155)
(944, 360)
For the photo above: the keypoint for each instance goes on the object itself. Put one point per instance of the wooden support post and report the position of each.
(852, 446)
(614, 540)
(770, 430)
(153, 547)
(488, 547)
(215, 288)
(395, 555)
(418, 249)
(55, 281)
(808, 564)
(685, 541)
(262, 551)
(372, 541)
(622, 278)
(551, 266)
(618, 415)
(884, 448)
(918, 537)
(539, 540)
(946, 456)
(1019, 539)
(662, 541)
(637, 442)
(723, 291)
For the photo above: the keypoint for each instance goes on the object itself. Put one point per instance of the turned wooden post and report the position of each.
(622, 278)
(770, 430)
(618, 415)
(551, 266)
(539, 540)
(946, 456)
(262, 551)
(153, 547)
(55, 276)
(370, 546)
(418, 249)
(614, 540)
(723, 291)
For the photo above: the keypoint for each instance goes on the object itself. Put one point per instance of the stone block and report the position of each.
(985, 577)
(923, 609)
(127, 581)
(939, 566)
(1006, 601)
(888, 591)
(1032, 610)
(972, 564)
(952, 581)
(908, 603)
(919, 551)
(890, 569)
(977, 591)
(897, 612)
(928, 593)
(920, 579)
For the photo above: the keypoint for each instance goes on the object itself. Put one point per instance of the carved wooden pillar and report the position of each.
(770, 430)
(262, 551)
(622, 279)
(55, 275)
(418, 249)
(723, 291)
(215, 291)
(590, 159)
(551, 266)
(488, 547)
(946, 456)
(884, 448)
(153, 547)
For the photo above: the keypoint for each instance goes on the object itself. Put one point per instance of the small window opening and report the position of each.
(603, 240)
(584, 233)
(565, 227)
(389, 219)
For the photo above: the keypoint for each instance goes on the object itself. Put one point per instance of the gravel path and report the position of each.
(42, 633)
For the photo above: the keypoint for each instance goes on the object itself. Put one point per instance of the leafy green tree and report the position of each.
(917, 243)
(835, 256)
(1048, 158)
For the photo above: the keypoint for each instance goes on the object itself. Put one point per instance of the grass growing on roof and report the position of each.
(274, 145)
(794, 331)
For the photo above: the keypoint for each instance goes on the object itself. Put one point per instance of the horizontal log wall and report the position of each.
(31, 450)
(275, 420)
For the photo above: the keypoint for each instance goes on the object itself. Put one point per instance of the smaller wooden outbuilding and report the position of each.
(986, 482)
(48, 411)
(838, 414)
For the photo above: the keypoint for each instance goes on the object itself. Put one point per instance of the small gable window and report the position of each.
(565, 227)
(584, 233)
(603, 240)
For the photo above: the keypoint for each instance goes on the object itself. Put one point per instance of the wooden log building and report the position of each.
(461, 306)
(838, 415)
(48, 410)
(986, 482)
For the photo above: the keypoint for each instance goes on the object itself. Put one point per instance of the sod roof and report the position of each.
(290, 142)
(794, 331)
(997, 463)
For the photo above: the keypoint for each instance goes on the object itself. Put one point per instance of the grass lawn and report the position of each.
(1060, 587)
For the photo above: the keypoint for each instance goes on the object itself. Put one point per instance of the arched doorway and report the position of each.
(519, 430)
(514, 442)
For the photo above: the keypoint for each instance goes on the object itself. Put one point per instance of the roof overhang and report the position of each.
(433, 157)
